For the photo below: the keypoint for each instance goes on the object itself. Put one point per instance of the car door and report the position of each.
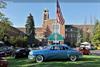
(63, 52)
(23, 52)
(54, 52)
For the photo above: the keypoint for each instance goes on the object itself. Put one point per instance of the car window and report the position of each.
(55, 48)
(22, 50)
(63, 48)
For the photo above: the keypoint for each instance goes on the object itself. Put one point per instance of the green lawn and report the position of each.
(87, 61)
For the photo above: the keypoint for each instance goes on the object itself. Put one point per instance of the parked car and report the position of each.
(1, 43)
(21, 52)
(84, 51)
(6, 51)
(54, 52)
(2, 54)
(3, 62)
(86, 45)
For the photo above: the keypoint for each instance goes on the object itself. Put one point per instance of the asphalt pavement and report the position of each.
(95, 52)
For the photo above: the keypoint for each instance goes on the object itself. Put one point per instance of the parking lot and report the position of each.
(95, 52)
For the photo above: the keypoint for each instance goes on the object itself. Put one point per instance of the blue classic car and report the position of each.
(54, 52)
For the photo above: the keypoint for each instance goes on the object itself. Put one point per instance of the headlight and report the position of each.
(30, 53)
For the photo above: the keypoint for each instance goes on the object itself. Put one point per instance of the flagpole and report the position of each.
(56, 24)
(59, 19)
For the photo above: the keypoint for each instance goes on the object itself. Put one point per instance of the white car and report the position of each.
(86, 45)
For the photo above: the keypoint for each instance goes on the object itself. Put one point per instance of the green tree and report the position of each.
(96, 35)
(86, 35)
(2, 6)
(4, 21)
(79, 37)
(18, 41)
(30, 30)
(1, 15)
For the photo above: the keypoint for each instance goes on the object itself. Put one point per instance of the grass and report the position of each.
(86, 61)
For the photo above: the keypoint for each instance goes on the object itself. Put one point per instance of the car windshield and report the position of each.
(17, 50)
(46, 47)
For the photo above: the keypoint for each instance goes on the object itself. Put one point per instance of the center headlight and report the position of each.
(30, 53)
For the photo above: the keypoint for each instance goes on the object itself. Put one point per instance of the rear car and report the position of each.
(6, 51)
(2, 54)
(21, 52)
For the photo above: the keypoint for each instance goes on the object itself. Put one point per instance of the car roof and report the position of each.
(20, 48)
(65, 45)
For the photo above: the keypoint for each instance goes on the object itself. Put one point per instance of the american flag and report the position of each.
(59, 16)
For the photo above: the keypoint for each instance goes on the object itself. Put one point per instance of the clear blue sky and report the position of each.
(73, 13)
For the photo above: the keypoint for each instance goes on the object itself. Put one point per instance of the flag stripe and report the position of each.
(59, 16)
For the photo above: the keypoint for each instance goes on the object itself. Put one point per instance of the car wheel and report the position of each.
(39, 58)
(73, 57)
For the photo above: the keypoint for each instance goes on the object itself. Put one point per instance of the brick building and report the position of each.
(70, 33)
(49, 27)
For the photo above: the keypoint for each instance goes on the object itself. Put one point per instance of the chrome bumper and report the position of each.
(31, 57)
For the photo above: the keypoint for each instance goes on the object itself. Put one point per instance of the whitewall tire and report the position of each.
(73, 57)
(39, 58)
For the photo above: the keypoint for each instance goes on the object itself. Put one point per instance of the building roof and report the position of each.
(55, 36)
(12, 30)
(39, 29)
(22, 29)
(78, 26)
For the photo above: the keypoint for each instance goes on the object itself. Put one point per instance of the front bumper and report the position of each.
(31, 57)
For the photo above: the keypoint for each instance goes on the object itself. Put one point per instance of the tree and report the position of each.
(4, 21)
(2, 6)
(79, 37)
(30, 29)
(96, 34)
(86, 34)
(18, 41)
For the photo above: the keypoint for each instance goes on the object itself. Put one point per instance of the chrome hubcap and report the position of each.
(39, 58)
(73, 58)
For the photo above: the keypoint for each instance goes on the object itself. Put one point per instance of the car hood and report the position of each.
(37, 51)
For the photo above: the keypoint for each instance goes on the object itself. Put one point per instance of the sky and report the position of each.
(73, 12)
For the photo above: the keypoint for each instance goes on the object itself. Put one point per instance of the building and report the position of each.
(52, 31)
(74, 33)
(70, 34)
(49, 28)
(22, 29)
(12, 31)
